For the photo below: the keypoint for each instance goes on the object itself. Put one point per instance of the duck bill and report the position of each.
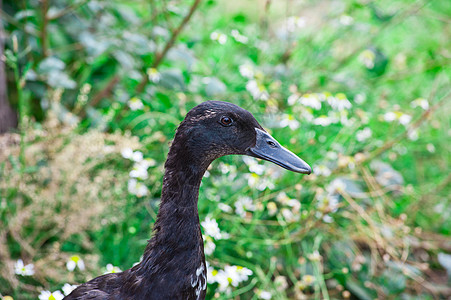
(267, 148)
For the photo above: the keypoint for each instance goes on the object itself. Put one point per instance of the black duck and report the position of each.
(173, 264)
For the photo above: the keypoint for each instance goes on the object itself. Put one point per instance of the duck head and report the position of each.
(215, 128)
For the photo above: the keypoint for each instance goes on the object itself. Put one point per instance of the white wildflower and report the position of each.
(135, 104)
(243, 273)
(24, 270)
(413, 134)
(367, 57)
(244, 204)
(265, 295)
(137, 156)
(272, 208)
(289, 216)
(405, 119)
(258, 91)
(68, 288)
(221, 38)
(420, 102)
(281, 283)
(390, 116)
(322, 170)
(127, 153)
(311, 100)
(85, 88)
(75, 261)
(401, 117)
(360, 98)
(292, 99)
(237, 274)
(226, 168)
(209, 245)
(315, 256)
(294, 204)
(153, 75)
(336, 186)
(137, 188)
(258, 182)
(112, 269)
(323, 121)
(308, 279)
(364, 134)
(290, 121)
(211, 228)
(327, 218)
(282, 198)
(148, 162)
(239, 37)
(47, 295)
(247, 71)
(253, 165)
(342, 117)
(223, 280)
(225, 208)
(328, 203)
(339, 102)
(211, 274)
(139, 171)
(307, 115)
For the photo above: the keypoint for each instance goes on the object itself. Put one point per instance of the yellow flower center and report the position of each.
(341, 96)
(75, 258)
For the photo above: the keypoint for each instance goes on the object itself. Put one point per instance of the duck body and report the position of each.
(173, 264)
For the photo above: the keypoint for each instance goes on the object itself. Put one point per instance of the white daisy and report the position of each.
(135, 104)
(311, 100)
(24, 270)
(247, 71)
(112, 269)
(153, 75)
(290, 121)
(420, 102)
(137, 188)
(68, 288)
(244, 204)
(209, 245)
(339, 102)
(219, 37)
(47, 295)
(211, 228)
(364, 134)
(75, 261)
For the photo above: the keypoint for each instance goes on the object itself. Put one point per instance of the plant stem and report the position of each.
(22, 111)
(160, 55)
(45, 20)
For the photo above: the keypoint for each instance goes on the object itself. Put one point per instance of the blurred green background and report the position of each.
(360, 89)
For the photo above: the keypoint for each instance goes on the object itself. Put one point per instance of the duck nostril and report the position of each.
(271, 143)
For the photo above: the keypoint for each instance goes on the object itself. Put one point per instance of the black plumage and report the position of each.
(173, 264)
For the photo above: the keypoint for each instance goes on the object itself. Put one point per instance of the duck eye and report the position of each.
(226, 121)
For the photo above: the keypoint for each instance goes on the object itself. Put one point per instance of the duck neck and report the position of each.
(177, 241)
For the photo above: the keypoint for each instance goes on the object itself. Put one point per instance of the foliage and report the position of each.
(360, 89)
